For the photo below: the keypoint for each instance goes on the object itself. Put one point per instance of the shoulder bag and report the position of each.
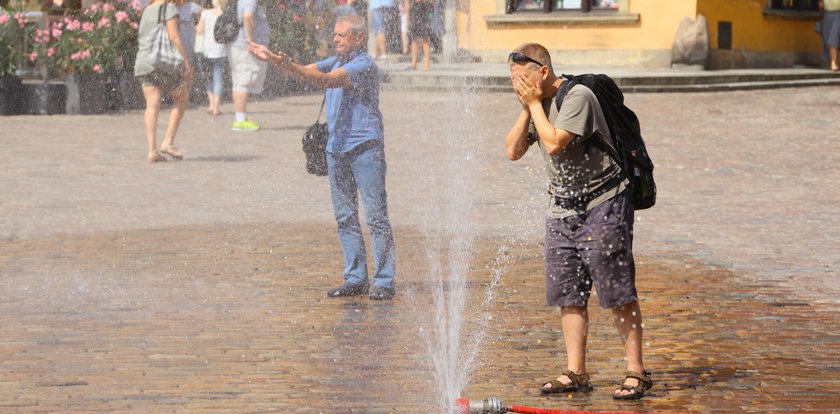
(163, 54)
(315, 146)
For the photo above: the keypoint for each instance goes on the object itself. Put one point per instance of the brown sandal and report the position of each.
(637, 392)
(580, 382)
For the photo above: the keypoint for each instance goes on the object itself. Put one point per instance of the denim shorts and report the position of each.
(592, 247)
(377, 20)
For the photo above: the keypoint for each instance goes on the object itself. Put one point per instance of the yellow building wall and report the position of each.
(758, 39)
(751, 30)
(655, 29)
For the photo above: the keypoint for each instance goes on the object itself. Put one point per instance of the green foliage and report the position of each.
(12, 32)
(102, 38)
(293, 25)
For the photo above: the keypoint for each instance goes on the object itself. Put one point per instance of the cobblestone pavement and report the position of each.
(198, 286)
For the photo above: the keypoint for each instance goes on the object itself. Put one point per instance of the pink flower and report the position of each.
(106, 7)
(296, 18)
(4, 18)
(50, 52)
(85, 54)
(93, 9)
(97, 68)
(56, 32)
(121, 16)
(136, 5)
(75, 56)
(134, 25)
(21, 19)
(104, 22)
(87, 26)
(73, 24)
(33, 56)
(42, 36)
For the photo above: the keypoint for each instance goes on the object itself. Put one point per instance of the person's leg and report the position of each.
(415, 49)
(240, 103)
(218, 84)
(575, 321)
(609, 259)
(628, 321)
(404, 33)
(240, 78)
(152, 95)
(568, 285)
(249, 78)
(378, 29)
(209, 83)
(831, 36)
(180, 97)
(346, 208)
(369, 172)
(427, 54)
(381, 50)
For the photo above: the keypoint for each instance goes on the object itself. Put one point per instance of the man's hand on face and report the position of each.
(526, 91)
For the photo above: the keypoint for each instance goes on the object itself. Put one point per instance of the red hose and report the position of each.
(533, 410)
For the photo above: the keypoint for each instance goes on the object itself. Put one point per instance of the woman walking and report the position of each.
(831, 30)
(158, 82)
(215, 54)
(420, 30)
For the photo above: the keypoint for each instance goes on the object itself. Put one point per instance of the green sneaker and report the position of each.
(246, 125)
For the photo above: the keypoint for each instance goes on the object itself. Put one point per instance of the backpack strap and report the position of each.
(335, 66)
(321, 111)
(564, 90)
(602, 144)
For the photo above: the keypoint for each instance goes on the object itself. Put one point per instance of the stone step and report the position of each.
(669, 83)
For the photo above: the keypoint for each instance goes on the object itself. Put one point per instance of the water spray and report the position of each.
(494, 405)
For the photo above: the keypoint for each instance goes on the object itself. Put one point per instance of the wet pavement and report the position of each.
(199, 286)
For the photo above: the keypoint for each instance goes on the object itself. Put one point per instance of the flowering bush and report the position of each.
(102, 38)
(293, 28)
(12, 27)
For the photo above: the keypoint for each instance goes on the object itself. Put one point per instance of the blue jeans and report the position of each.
(217, 71)
(362, 171)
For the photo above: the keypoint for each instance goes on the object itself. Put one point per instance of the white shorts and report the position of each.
(247, 72)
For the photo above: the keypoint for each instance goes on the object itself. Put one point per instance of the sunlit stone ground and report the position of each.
(198, 286)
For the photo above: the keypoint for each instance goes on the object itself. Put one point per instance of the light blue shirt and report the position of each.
(353, 116)
(376, 4)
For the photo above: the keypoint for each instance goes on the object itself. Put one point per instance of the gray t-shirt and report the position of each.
(186, 26)
(148, 21)
(262, 32)
(582, 168)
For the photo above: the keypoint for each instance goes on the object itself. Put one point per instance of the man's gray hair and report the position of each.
(357, 23)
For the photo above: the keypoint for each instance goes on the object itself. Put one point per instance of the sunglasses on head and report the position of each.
(519, 57)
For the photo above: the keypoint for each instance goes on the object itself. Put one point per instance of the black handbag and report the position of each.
(315, 146)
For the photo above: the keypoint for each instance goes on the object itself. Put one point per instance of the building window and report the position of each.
(515, 6)
(807, 5)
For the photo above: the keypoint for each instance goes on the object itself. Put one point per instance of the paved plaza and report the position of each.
(199, 286)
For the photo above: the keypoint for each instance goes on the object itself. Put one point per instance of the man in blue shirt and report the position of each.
(355, 155)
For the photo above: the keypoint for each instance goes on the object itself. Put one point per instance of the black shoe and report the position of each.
(382, 293)
(348, 289)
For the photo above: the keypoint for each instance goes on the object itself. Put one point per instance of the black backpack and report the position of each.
(628, 148)
(227, 25)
